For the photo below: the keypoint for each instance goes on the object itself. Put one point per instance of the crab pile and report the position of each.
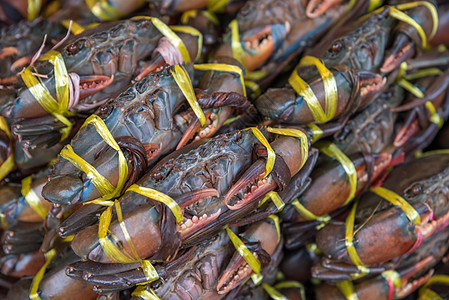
(244, 149)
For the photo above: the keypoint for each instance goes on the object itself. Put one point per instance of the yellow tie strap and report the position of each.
(347, 289)
(397, 200)
(397, 13)
(33, 9)
(349, 242)
(277, 225)
(316, 132)
(8, 164)
(169, 34)
(394, 281)
(192, 31)
(32, 198)
(185, 84)
(271, 155)
(333, 151)
(273, 293)
(308, 215)
(434, 152)
(104, 187)
(121, 255)
(34, 288)
(277, 200)
(290, 284)
(254, 87)
(145, 293)
(57, 108)
(161, 197)
(330, 89)
(297, 134)
(426, 294)
(224, 68)
(434, 116)
(103, 10)
(216, 6)
(241, 248)
(237, 50)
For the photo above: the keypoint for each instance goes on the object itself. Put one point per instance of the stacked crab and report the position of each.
(223, 149)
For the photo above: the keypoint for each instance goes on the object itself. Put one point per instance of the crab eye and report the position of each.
(335, 48)
(414, 190)
(74, 48)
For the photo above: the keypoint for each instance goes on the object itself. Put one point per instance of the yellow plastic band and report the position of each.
(434, 152)
(434, 117)
(308, 215)
(277, 200)
(424, 73)
(290, 284)
(76, 28)
(256, 75)
(347, 289)
(216, 6)
(237, 50)
(188, 14)
(406, 85)
(211, 17)
(185, 84)
(313, 248)
(254, 87)
(120, 255)
(169, 34)
(430, 7)
(192, 31)
(394, 277)
(3, 222)
(333, 151)
(34, 289)
(158, 196)
(224, 68)
(401, 16)
(256, 278)
(329, 82)
(230, 120)
(103, 186)
(145, 293)
(58, 108)
(397, 200)
(273, 293)
(304, 90)
(316, 131)
(373, 4)
(103, 10)
(250, 259)
(349, 241)
(33, 9)
(6, 166)
(297, 134)
(277, 225)
(32, 198)
(427, 294)
(271, 155)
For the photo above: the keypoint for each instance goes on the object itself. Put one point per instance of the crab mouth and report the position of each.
(250, 187)
(371, 84)
(236, 272)
(316, 8)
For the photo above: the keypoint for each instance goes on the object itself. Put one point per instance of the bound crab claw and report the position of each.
(316, 8)
(408, 42)
(404, 278)
(428, 199)
(355, 89)
(148, 221)
(262, 240)
(254, 184)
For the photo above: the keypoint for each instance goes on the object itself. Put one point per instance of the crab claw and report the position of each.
(407, 287)
(402, 50)
(253, 184)
(69, 189)
(90, 85)
(316, 8)
(157, 61)
(264, 239)
(370, 84)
